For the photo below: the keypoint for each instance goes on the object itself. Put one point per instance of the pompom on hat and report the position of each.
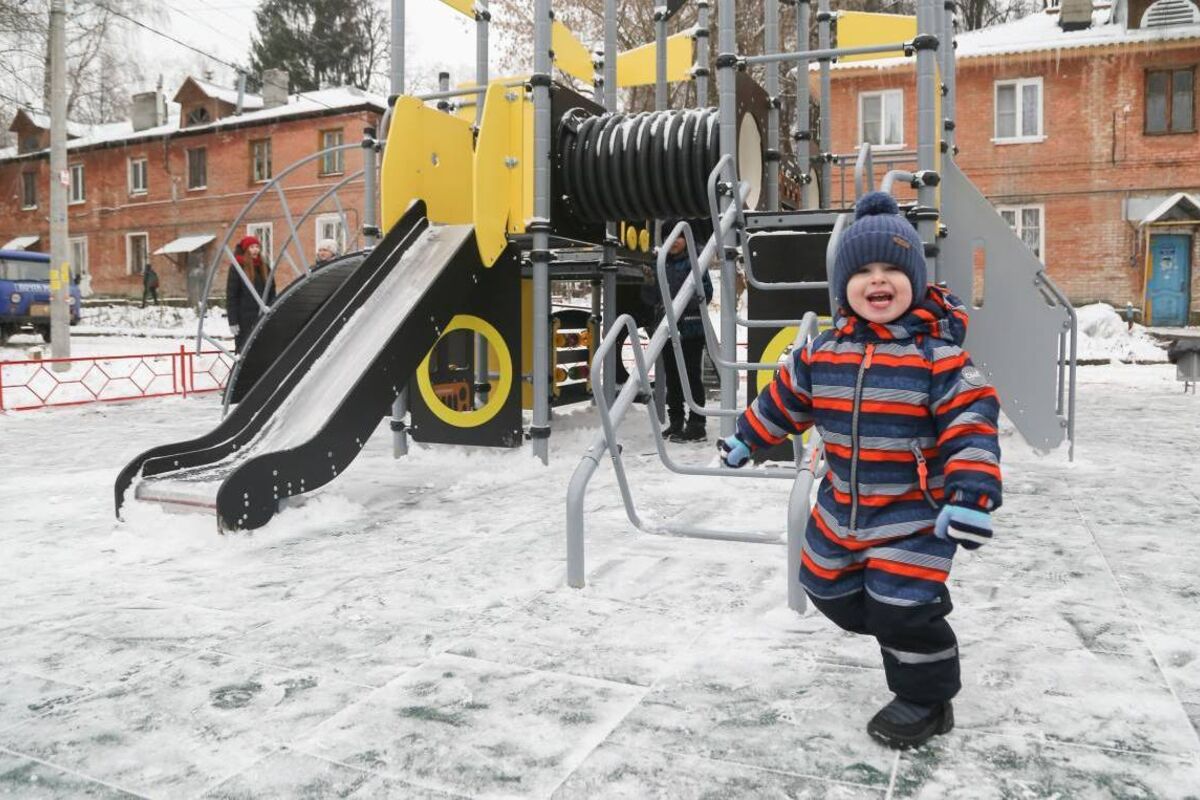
(879, 234)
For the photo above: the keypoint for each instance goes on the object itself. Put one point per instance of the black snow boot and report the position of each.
(903, 724)
(694, 431)
(674, 429)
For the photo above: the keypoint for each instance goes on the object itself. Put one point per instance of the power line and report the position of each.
(168, 36)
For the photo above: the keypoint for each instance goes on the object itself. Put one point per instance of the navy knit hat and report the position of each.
(879, 233)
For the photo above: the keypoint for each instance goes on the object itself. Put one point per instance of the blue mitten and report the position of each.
(734, 452)
(970, 527)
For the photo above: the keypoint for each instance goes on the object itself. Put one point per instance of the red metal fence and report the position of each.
(50, 382)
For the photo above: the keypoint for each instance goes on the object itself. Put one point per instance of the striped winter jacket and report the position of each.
(908, 421)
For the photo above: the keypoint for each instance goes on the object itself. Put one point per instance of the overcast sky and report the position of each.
(437, 38)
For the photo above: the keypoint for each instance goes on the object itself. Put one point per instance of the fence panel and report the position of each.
(36, 383)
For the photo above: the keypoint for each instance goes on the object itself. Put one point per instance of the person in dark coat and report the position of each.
(682, 426)
(149, 285)
(241, 304)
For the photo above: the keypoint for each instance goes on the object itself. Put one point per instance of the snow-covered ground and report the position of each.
(407, 632)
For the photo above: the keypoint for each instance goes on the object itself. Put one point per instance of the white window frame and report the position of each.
(339, 237)
(34, 175)
(129, 237)
(1018, 229)
(883, 118)
(269, 167)
(187, 164)
(338, 158)
(82, 268)
(256, 229)
(80, 196)
(1021, 137)
(139, 164)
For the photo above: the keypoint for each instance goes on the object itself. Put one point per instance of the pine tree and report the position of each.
(321, 43)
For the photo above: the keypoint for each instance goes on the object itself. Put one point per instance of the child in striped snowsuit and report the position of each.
(909, 426)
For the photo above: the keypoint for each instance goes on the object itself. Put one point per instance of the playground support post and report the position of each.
(949, 80)
(608, 261)
(539, 430)
(700, 70)
(926, 46)
(482, 18)
(824, 37)
(801, 132)
(60, 274)
(771, 78)
(400, 405)
(660, 58)
(727, 103)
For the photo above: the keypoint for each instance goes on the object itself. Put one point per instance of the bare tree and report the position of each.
(101, 63)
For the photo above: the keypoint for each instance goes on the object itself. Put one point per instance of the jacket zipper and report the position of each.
(858, 386)
(923, 473)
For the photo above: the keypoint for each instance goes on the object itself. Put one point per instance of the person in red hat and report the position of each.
(241, 303)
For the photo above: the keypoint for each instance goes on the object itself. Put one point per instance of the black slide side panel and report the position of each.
(250, 496)
(267, 394)
(288, 315)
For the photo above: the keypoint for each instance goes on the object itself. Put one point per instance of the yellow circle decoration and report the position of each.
(771, 354)
(500, 389)
(644, 240)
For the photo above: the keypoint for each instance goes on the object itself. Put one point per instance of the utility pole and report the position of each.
(60, 268)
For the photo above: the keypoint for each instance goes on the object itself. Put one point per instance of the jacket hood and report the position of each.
(939, 314)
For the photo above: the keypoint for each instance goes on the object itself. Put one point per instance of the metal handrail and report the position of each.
(711, 341)
(864, 171)
(1073, 327)
(727, 162)
(799, 508)
(611, 416)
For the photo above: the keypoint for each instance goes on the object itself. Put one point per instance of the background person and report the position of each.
(241, 304)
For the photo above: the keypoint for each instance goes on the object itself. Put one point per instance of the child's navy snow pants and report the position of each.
(895, 591)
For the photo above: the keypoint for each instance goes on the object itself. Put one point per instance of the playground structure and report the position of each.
(484, 201)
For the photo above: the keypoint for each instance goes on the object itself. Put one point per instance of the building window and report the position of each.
(79, 256)
(197, 168)
(881, 118)
(29, 143)
(77, 191)
(1029, 223)
(329, 226)
(28, 190)
(332, 163)
(1171, 100)
(198, 116)
(137, 175)
(260, 160)
(1019, 110)
(137, 252)
(262, 232)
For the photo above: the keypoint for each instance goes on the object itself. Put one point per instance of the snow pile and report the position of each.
(1103, 334)
(153, 320)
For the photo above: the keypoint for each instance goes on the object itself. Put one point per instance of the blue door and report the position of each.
(1170, 271)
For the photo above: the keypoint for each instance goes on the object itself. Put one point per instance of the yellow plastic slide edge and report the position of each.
(637, 67)
(428, 156)
(463, 6)
(864, 28)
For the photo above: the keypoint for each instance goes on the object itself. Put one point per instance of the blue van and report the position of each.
(25, 294)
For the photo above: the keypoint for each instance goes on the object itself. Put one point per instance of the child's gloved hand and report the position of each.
(970, 527)
(734, 452)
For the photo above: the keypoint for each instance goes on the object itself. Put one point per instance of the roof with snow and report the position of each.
(1041, 32)
(1179, 207)
(249, 101)
(339, 99)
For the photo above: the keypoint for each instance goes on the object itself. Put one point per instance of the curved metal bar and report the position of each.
(864, 171)
(332, 190)
(213, 267)
(612, 414)
(893, 175)
(799, 506)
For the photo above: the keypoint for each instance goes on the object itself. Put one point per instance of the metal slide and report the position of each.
(310, 414)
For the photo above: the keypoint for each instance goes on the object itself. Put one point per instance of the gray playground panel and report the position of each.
(1015, 335)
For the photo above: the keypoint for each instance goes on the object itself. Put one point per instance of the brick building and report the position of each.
(1079, 124)
(163, 187)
